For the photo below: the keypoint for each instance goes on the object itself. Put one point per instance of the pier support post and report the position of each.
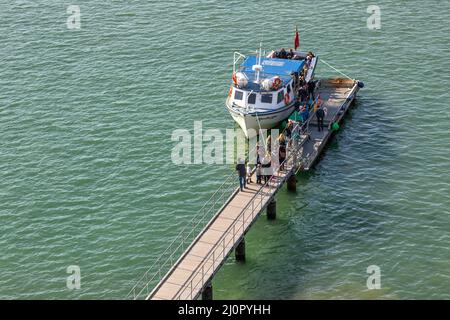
(292, 183)
(272, 210)
(207, 293)
(240, 251)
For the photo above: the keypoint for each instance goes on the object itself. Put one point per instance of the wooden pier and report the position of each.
(200, 255)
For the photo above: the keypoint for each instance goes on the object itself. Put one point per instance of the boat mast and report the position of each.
(258, 67)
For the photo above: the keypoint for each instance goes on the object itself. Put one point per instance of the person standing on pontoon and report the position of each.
(303, 93)
(311, 88)
(304, 113)
(317, 103)
(320, 114)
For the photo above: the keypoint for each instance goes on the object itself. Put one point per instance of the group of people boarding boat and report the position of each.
(307, 102)
(307, 105)
(269, 155)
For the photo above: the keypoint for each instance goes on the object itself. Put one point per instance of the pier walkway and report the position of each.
(186, 268)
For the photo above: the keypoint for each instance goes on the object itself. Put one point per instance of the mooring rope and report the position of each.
(260, 130)
(335, 69)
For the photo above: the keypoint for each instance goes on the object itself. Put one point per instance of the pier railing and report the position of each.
(230, 237)
(183, 240)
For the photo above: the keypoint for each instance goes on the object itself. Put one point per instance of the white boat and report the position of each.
(263, 91)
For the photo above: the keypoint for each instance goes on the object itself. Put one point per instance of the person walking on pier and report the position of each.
(281, 151)
(240, 168)
(269, 144)
(249, 174)
(304, 113)
(288, 133)
(258, 173)
(320, 114)
(266, 167)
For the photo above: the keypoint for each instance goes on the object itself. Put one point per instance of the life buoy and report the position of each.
(234, 78)
(287, 98)
(230, 92)
(276, 83)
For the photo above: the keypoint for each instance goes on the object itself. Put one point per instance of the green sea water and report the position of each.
(86, 118)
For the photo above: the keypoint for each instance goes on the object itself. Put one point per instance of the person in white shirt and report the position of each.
(249, 174)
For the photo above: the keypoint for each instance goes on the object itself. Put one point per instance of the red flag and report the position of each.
(297, 39)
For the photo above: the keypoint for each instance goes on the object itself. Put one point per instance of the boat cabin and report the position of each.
(265, 83)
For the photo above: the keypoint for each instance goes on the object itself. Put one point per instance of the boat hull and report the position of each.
(251, 121)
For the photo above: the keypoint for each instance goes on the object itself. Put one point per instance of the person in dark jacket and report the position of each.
(242, 172)
(311, 87)
(282, 54)
(303, 93)
(290, 54)
(301, 81)
(320, 114)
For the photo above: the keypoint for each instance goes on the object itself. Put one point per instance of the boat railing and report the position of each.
(219, 252)
(236, 58)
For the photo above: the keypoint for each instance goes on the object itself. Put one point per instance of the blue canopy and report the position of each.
(273, 67)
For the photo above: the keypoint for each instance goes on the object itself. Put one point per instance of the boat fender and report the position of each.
(335, 126)
(230, 92)
(361, 84)
(287, 99)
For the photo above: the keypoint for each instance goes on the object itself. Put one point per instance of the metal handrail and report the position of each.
(224, 252)
(236, 60)
(189, 282)
(158, 269)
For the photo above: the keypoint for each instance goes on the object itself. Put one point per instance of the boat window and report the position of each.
(280, 96)
(289, 88)
(238, 95)
(252, 98)
(266, 98)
